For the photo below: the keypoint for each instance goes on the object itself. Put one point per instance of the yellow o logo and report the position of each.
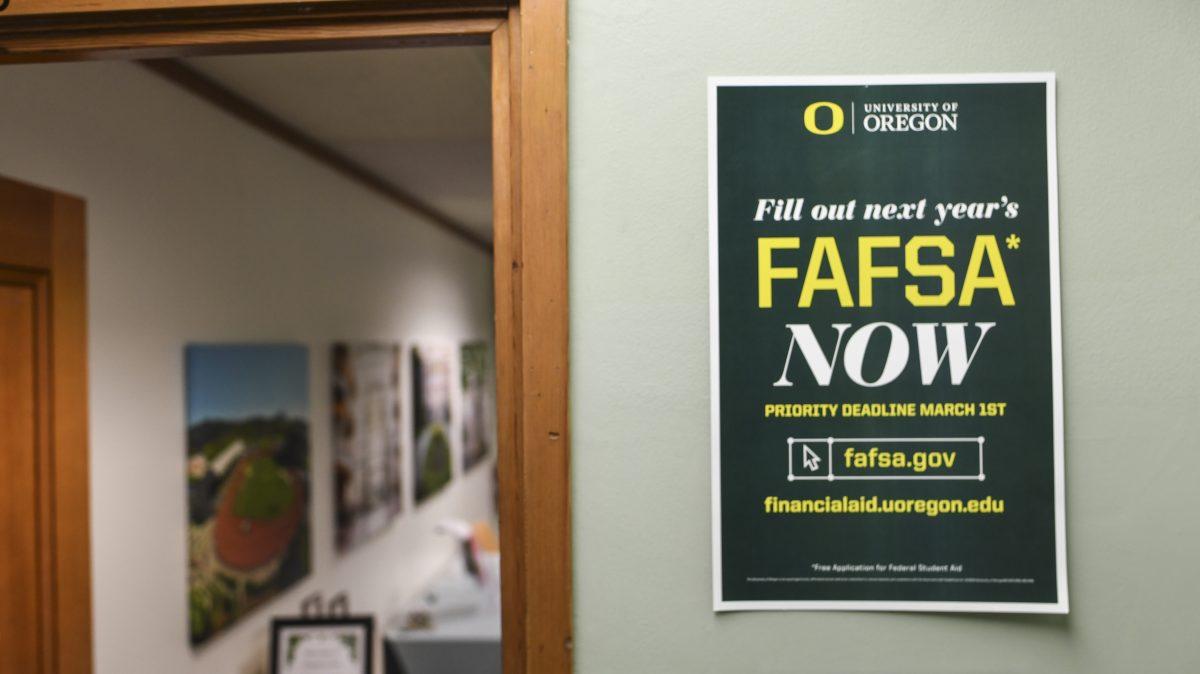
(810, 118)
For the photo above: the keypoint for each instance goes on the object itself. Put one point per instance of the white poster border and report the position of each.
(1061, 606)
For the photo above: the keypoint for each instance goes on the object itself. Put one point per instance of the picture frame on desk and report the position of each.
(343, 645)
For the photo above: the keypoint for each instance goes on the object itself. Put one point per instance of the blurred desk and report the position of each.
(457, 641)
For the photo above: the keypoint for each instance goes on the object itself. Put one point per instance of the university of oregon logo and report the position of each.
(825, 118)
(837, 118)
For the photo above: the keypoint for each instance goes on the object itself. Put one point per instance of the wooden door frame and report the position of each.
(528, 41)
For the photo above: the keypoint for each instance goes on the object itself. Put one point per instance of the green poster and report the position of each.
(886, 366)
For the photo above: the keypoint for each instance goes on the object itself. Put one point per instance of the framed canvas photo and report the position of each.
(366, 439)
(431, 386)
(478, 404)
(322, 645)
(247, 479)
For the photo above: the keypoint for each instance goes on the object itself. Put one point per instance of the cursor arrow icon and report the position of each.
(812, 461)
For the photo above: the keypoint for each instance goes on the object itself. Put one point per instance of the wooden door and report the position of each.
(45, 595)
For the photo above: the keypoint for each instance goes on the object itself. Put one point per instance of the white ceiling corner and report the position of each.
(418, 117)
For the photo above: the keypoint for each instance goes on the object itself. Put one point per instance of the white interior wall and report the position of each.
(202, 229)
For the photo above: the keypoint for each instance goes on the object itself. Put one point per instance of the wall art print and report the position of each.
(247, 477)
(366, 439)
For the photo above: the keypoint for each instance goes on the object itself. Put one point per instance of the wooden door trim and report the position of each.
(540, 61)
(69, 392)
(200, 39)
(112, 29)
(529, 107)
(81, 12)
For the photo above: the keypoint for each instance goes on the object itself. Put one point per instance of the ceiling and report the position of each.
(420, 118)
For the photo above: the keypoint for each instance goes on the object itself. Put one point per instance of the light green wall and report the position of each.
(1129, 174)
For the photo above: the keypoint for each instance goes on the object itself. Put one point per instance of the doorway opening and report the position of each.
(236, 306)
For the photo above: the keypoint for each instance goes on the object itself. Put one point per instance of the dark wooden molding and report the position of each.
(65, 30)
(46, 15)
(249, 112)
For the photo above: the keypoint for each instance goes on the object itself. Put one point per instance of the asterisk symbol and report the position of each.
(1013, 241)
